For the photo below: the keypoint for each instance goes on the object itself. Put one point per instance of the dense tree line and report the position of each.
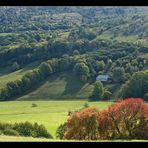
(82, 68)
(119, 68)
(27, 53)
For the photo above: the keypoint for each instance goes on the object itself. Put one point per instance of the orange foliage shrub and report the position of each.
(83, 125)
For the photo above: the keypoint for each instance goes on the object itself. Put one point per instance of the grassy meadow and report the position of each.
(49, 113)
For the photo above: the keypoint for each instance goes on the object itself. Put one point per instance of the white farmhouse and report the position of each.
(103, 78)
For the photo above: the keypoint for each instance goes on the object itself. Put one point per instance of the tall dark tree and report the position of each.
(45, 69)
(98, 91)
(82, 70)
(118, 74)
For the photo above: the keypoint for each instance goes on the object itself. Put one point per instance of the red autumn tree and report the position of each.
(124, 120)
(83, 125)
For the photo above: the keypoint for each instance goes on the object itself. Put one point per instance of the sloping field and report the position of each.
(60, 86)
(7, 76)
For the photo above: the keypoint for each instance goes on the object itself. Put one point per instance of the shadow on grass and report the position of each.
(73, 84)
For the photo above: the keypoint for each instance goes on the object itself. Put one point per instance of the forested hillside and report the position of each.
(57, 52)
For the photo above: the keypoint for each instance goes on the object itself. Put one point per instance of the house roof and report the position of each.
(102, 77)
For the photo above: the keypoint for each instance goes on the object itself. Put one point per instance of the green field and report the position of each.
(107, 36)
(49, 113)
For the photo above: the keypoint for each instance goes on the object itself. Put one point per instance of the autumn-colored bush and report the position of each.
(126, 119)
(83, 125)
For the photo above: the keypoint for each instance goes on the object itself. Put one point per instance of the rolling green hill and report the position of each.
(64, 86)
(42, 34)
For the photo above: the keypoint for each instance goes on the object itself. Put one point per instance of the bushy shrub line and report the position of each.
(24, 129)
